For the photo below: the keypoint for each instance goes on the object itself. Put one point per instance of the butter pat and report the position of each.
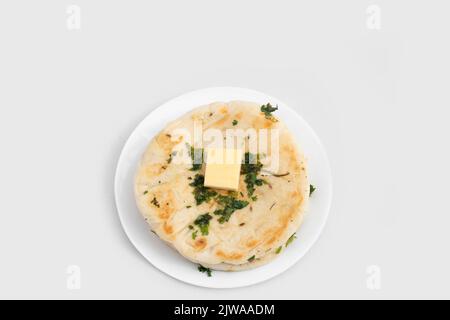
(223, 168)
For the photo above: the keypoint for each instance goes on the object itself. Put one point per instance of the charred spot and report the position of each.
(200, 243)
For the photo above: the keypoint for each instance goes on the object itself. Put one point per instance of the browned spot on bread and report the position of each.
(297, 168)
(166, 200)
(224, 120)
(295, 194)
(166, 142)
(200, 244)
(286, 218)
(289, 151)
(263, 123)
(223, 110)
(252, 243)
(272, 240)
(228, 256)
(152, 170)
(165, 211)
(267, 233)
(212, 204)
(168, 229)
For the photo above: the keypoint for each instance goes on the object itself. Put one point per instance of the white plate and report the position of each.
(168, 260)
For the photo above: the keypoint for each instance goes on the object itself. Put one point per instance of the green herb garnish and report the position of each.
(145, 192)
(268, 109)
(202, 222)
(279, 250)
(196, 155)
(194, 234)
(202, 269)
(251, 168)
(235, 122)
(201, 193)
(155, 202)
(291, 239)
(233, 193)
(251, 258)
(191, 227)
(311, 189)
(230, 205)
(251, 163)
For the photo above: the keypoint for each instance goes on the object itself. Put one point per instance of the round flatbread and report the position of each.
(261, 220)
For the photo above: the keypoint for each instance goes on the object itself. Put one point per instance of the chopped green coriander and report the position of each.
(311, 189)
(201, 193)
(196, 155)
(202, 269)
(254, 198)
(268, 109)
(232, 193)
(251, 259)
(229, 206)
(155, 202)
(188, 207)
(202, 222)
(251, 163)
(145, 192)
(251, 168)
(194, 234)
(279, 249)
(235, 122)
(191, 227)
(291, 239)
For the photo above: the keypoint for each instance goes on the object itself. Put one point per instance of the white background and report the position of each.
(379, 100)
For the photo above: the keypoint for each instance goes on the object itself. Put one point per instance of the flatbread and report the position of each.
(253, 234)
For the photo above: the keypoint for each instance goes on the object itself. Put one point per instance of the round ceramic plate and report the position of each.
(166, 259)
